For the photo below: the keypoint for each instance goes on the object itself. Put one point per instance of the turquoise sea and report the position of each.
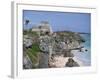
(85, 56)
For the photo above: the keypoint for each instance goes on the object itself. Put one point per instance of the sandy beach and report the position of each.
(60, 61)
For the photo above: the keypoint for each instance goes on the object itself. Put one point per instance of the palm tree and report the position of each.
(27, 22)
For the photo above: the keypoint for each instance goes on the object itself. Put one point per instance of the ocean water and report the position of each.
(85, 56)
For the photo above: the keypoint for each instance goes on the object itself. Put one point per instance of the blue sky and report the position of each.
(59, 21)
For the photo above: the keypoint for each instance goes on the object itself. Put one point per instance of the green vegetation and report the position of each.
(35, 48)
(33, 53)
(30, 33)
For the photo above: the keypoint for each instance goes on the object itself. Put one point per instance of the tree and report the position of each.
(27, 22)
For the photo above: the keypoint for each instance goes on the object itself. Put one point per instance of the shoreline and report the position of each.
(60, 61)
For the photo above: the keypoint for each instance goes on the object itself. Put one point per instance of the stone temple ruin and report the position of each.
(56, 46)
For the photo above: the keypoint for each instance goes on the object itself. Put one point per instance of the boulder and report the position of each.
(71, 63)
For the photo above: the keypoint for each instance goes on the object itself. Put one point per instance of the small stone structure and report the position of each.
(42, 27)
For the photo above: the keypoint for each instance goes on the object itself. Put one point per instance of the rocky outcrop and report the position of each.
(43, 62)
(55, 48)
(27, 64)
(71, 63)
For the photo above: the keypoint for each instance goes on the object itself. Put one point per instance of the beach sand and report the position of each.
(60, 61)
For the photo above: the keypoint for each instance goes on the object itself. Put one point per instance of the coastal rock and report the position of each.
(43, 62)
(68, 54)
(71, 63)
(27, 64)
